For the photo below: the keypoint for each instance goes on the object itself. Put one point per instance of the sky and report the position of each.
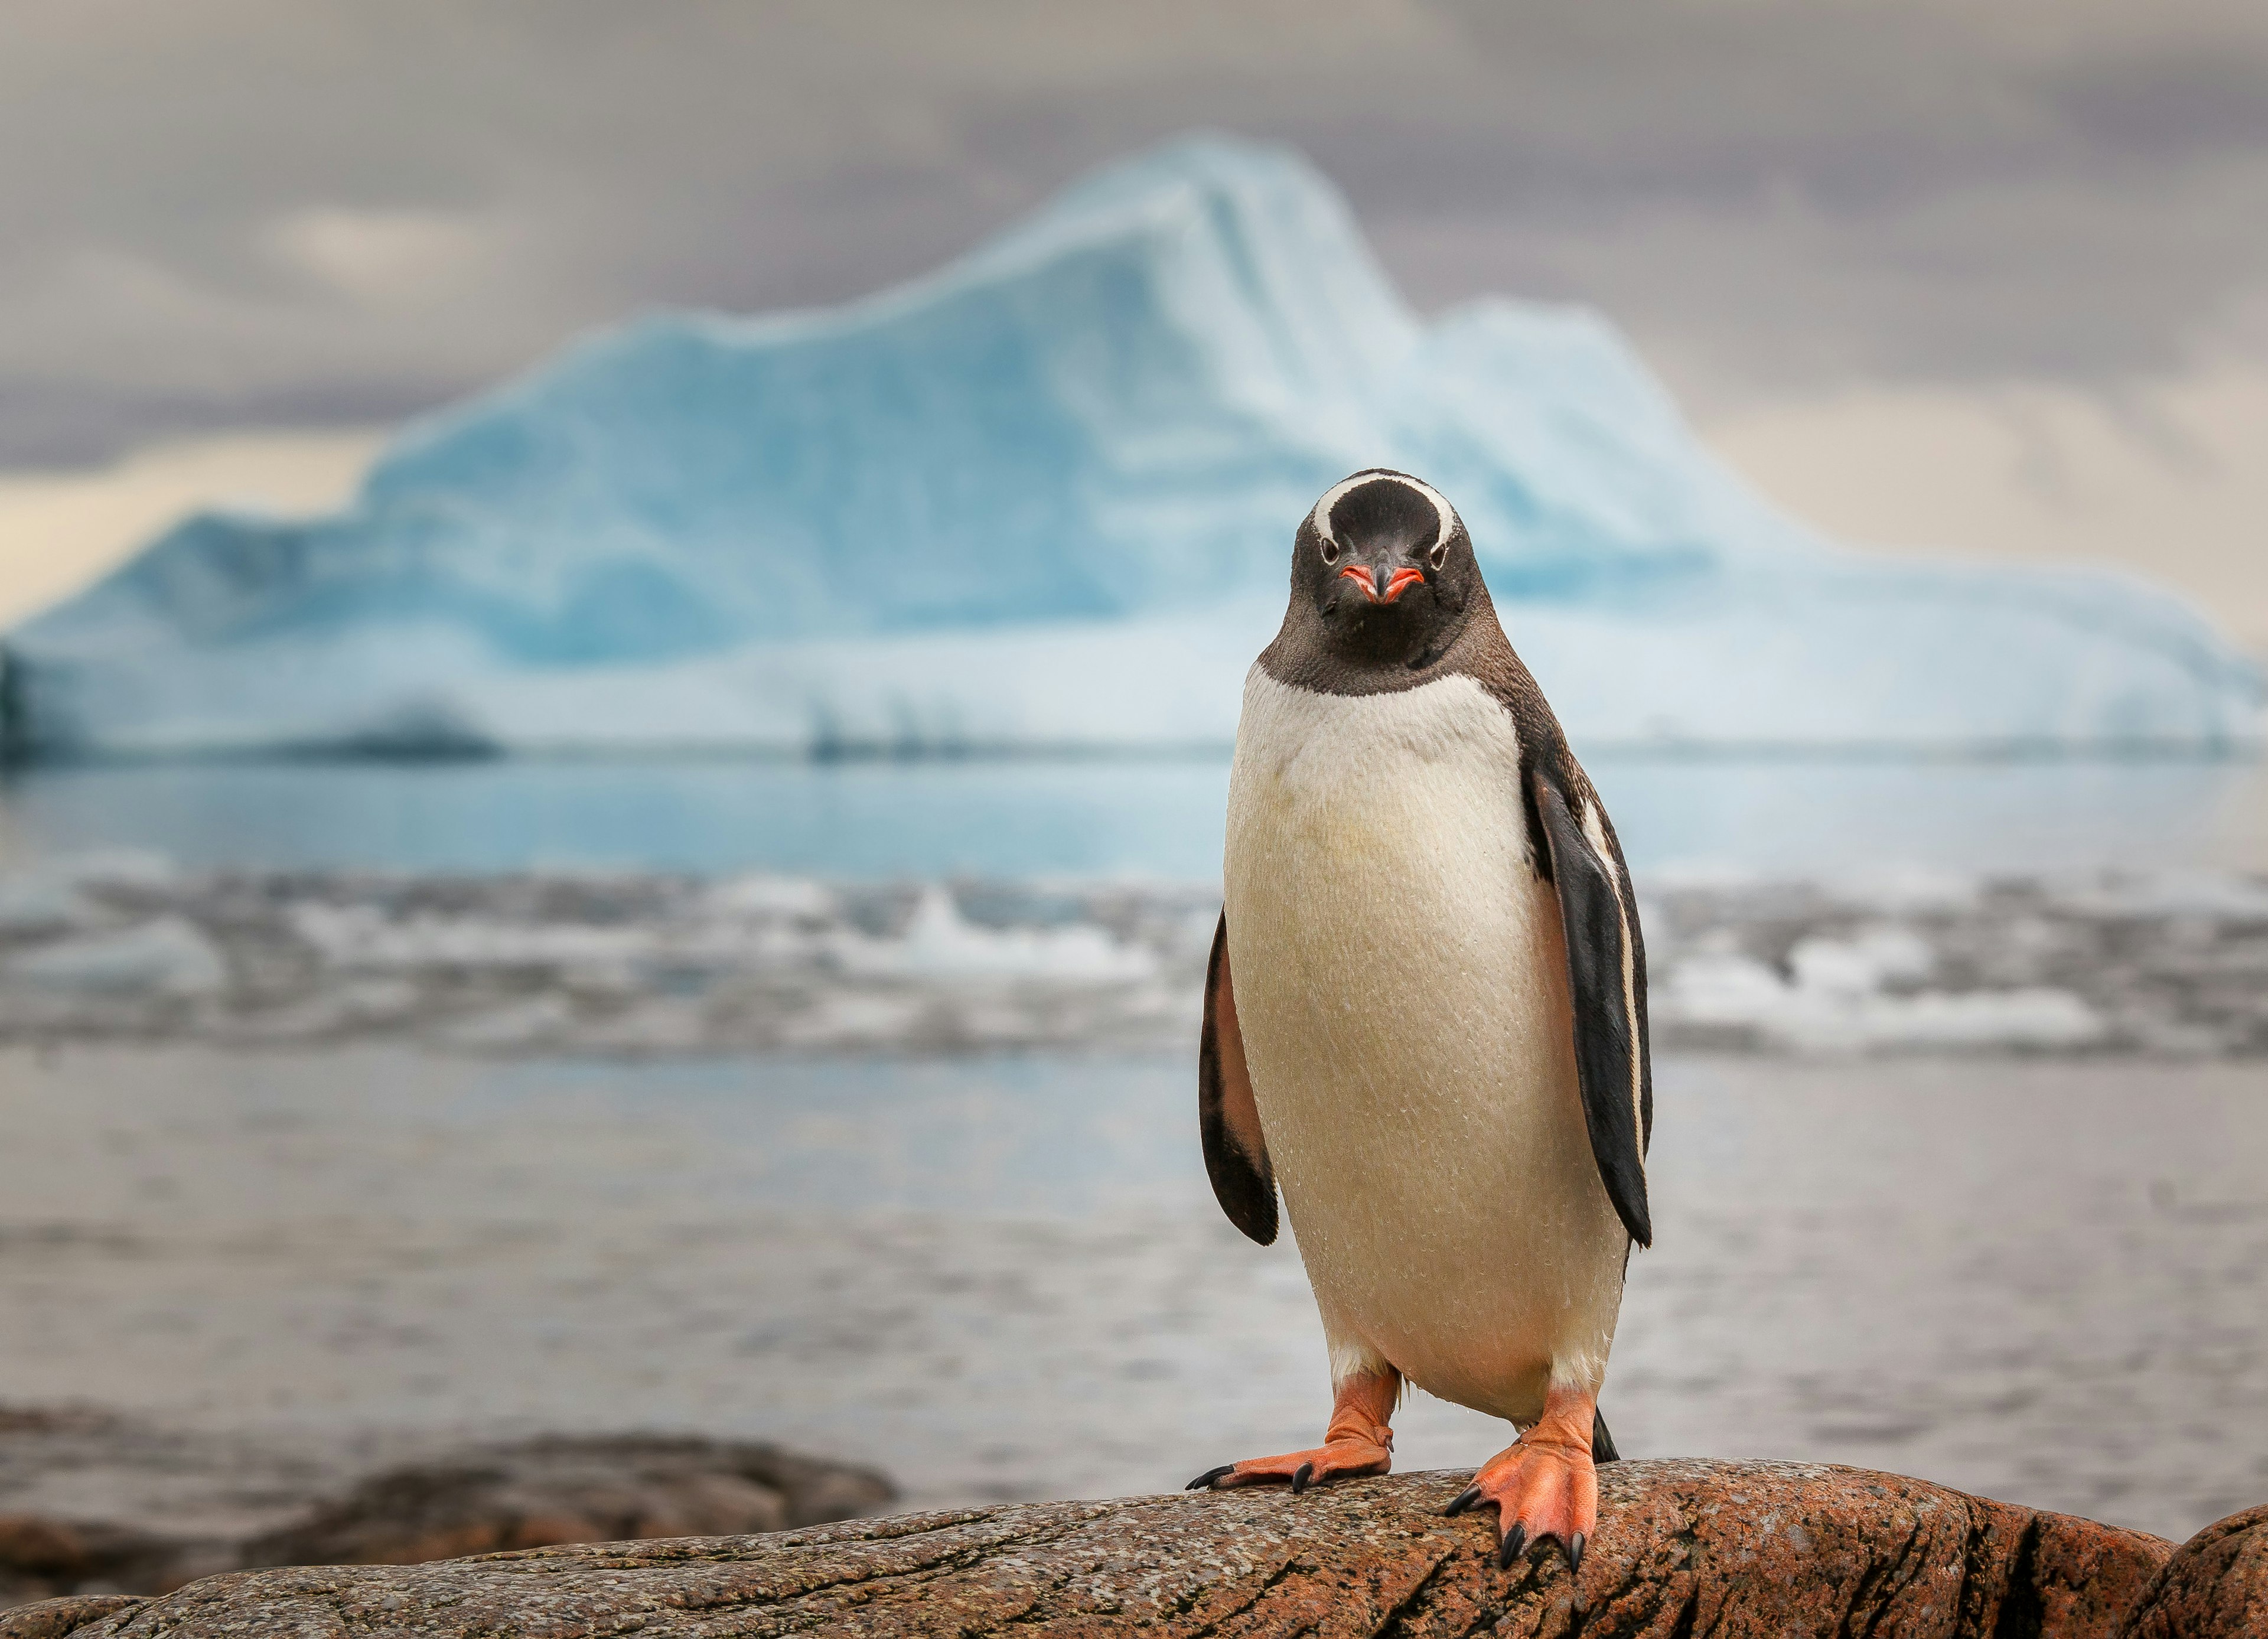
(1939, 275)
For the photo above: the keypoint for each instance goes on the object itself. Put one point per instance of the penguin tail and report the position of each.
(1603, 1443)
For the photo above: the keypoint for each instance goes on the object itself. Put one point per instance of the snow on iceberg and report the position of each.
(1042, 499)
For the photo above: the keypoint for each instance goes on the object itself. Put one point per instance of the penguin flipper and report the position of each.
(1606, 972)
(1235, 1149)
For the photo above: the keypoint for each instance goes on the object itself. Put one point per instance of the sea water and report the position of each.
(1156, 819)
(1003, 1276)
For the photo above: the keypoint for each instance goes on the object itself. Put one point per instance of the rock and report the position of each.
(2216, 1583)
(1683, 1548)
(566, 1490)
(51, 1619)
(40, 1556)
(439, 1504)
(99, 1503)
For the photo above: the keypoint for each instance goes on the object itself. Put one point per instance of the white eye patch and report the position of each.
(1443, 512)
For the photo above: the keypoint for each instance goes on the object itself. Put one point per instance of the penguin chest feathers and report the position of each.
(1381, 884)
(1400, 982)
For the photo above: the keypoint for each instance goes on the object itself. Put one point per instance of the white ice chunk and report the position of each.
(365, 937)
(48, 893)
(167, 955)
(39, 901)
(1855, 967)
(940, 944)
(765, 895)
(1834, 1003)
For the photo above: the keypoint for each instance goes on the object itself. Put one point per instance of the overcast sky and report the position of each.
(244, 212)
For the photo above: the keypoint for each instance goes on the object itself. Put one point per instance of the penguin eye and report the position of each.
(1330, 552)
(1438, 555)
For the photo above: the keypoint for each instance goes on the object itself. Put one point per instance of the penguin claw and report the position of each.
(1464, 1500)
(1544, 1485)
(1303, 1471)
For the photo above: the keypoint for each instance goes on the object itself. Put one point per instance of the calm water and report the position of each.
(1154, 818)
(1005, 1277)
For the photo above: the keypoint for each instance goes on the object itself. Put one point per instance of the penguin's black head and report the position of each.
(1385, 566)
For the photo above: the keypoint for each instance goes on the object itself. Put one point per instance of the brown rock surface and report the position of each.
(52, 1618)
(40, 1556)
(572, 1490)
(465, 1500)
(2216, 1583)
(1683, 1548)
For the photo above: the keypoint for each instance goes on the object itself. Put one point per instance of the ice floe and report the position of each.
(653, 963)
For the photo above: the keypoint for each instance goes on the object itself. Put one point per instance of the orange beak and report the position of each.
(1400, 581)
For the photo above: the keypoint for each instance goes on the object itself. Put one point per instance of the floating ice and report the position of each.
(167, 956)
(759, 895)
(39, 902)
(654, 964)
(364, 938)
(1043, 499)
(1863, 962)
(1835, 1002)
(940, 946)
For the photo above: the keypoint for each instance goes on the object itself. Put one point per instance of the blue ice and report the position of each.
(1042, 500)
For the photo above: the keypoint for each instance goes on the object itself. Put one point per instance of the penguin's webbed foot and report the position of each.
(1358, 1441)
(1544, 1485)
(1338, 1459)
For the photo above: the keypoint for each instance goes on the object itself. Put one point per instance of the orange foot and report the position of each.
(1543, 1485)
(1357, 1441)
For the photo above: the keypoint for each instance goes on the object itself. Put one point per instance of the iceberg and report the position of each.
(1042, 500)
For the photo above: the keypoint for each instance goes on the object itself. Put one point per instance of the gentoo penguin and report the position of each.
(1425, 1014)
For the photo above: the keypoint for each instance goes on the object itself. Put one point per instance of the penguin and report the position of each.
(1425, 1015)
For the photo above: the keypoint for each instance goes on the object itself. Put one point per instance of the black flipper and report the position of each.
(1603, 1443)
(1236, 1150)
(1606, 971)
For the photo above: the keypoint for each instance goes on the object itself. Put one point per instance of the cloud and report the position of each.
(382, 257)
(2164, 479)
(258, 210)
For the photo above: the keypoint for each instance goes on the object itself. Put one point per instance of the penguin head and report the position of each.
(1385, 566)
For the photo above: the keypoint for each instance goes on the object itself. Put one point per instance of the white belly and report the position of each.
(1401, 986)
